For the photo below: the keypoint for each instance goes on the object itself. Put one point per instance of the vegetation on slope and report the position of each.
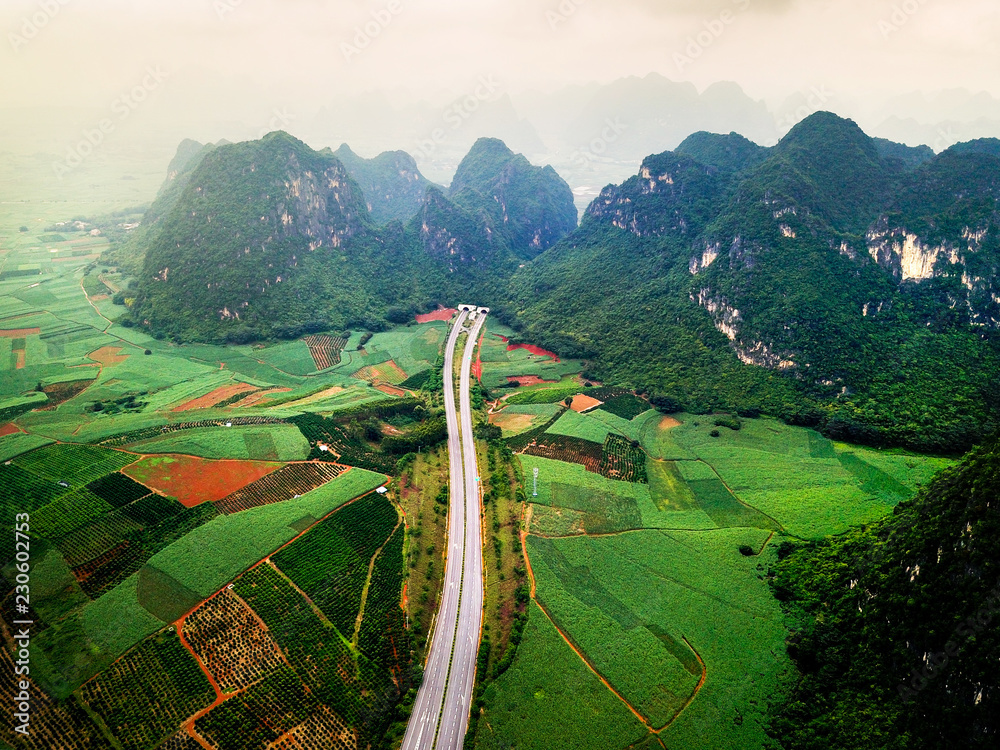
(892, 624)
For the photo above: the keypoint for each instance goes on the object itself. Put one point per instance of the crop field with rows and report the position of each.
(231, 642)
(144, 697)
(325, 350)
(320, 657)
(330, 563)
(284, 484)
(75, 465)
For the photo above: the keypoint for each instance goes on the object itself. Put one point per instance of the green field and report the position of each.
(208, 557)
(550, 700)
(266, 443)
(653, 582)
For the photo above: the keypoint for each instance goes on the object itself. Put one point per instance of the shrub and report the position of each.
(733, 423)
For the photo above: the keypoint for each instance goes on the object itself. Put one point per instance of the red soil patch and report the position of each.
(477, 366)
(21, 361)
(108, 355)
(99, 298)
(9, 429)
(19, 333)
(528, 380)
(256, 398)
(197, 480)
(219, 394)
(532, 349)
(442, 315)
(392, 390)
(584, 403)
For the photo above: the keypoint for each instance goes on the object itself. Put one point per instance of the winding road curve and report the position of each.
(440, 715)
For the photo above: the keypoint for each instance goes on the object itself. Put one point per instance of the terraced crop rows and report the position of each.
(231, 643)
(325, 350)
(284, 484)
(144, 696)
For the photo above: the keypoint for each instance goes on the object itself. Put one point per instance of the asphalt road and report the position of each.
(441, 712)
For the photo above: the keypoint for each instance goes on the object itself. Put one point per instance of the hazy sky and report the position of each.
(86, 52)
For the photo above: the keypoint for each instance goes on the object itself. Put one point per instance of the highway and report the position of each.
(441, 712)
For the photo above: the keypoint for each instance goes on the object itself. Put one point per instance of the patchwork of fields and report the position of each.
(652, 623)
(179, 502)
(210, 566)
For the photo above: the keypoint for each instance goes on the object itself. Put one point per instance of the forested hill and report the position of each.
(834, 280)
(895, 628)
(271, 239)
(856, 279)
(532, 207)
(392, 183)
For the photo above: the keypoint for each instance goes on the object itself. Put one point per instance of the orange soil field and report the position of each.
(108, 355)
(219, 394)
(20, 333)
(197, 480)
(442, 315)
(9, 429)
(387, 372)
(21, 361)
(392, 390)
(514, 422)
(537, 350)
(256, 398)
(668, 423)
(528, 380)
(532, 349)
(99, 298)
(584, 403)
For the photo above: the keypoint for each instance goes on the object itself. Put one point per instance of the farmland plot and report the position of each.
(286, 483)
(231, 642)
(331, 562)
(63, 725)
(144, 697)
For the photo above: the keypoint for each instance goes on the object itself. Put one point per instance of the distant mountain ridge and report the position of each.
(270, 238)
(799, 280)
(392, 183)
(830, 264)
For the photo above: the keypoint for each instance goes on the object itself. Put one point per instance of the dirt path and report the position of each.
(368, 582)
(99, 313)
(220, 697)
(583, 657)
(592, 668)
